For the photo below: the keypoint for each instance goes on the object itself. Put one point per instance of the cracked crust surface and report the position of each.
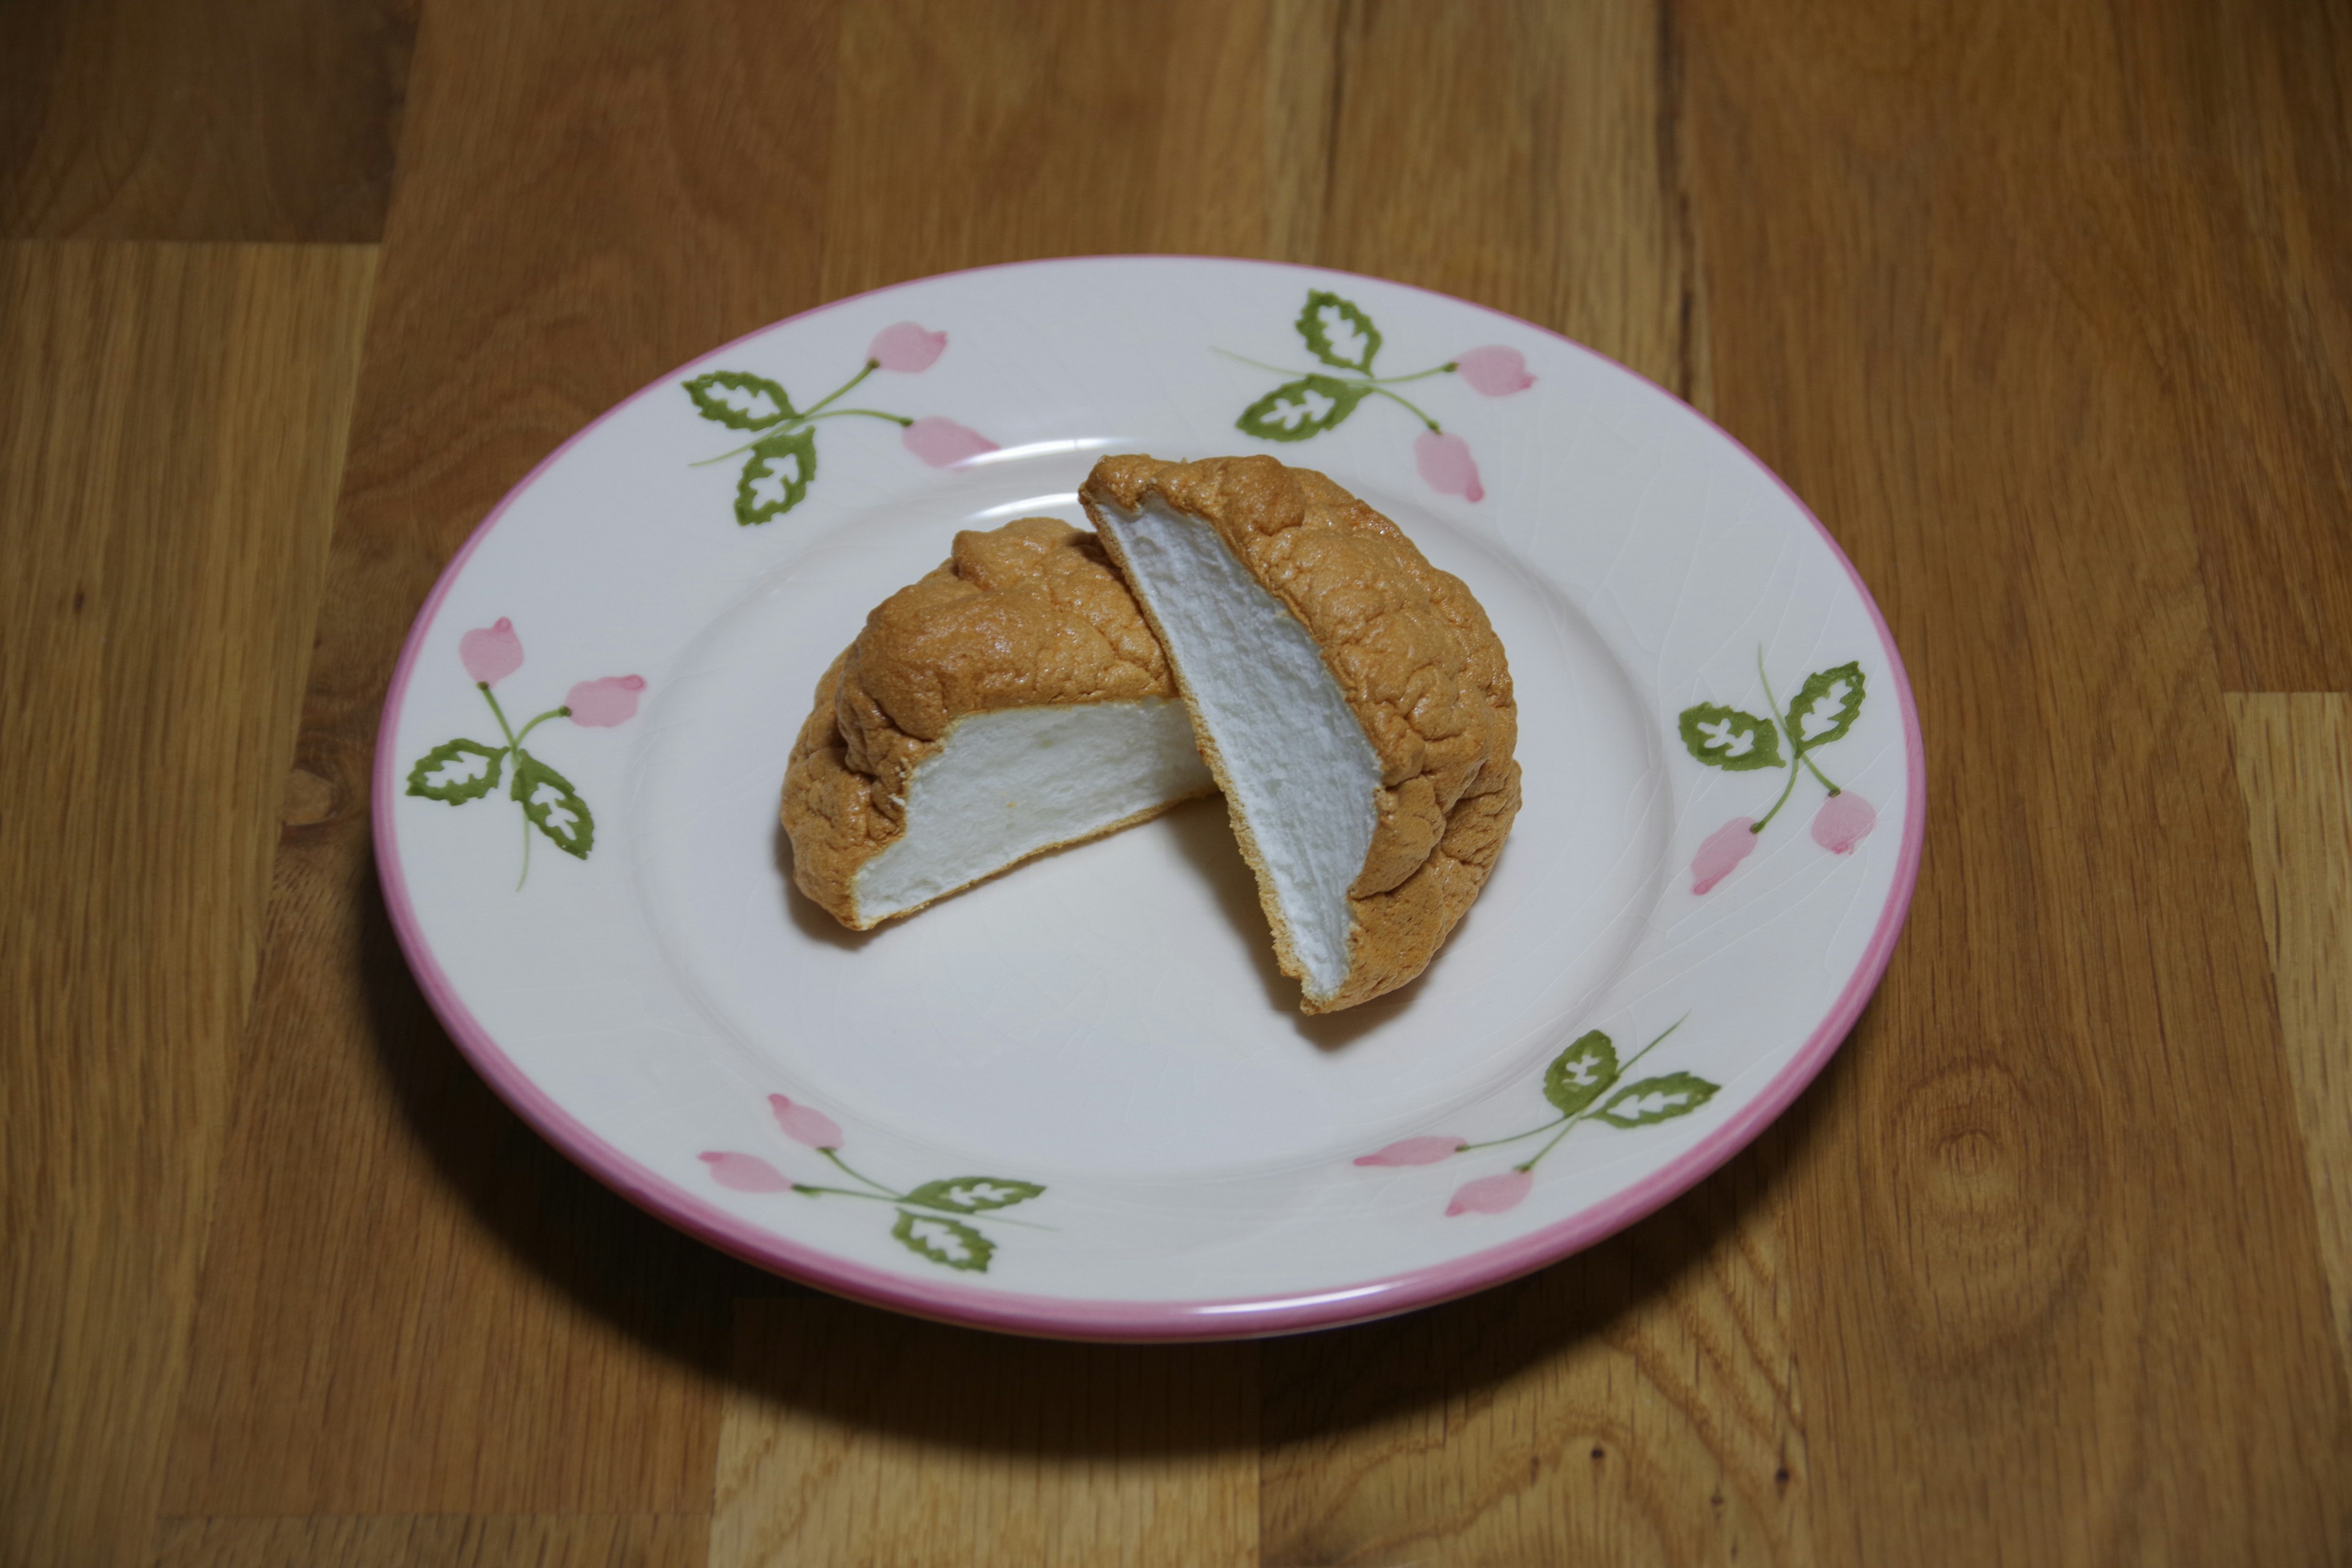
(1419, 665)
(1029, 615)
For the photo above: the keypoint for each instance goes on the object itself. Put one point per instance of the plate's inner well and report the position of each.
(1115, 1007)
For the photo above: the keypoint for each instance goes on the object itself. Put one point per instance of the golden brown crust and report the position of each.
(1418, 662)
(1029, 615)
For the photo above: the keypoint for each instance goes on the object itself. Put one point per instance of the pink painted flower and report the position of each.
(1497, 372)
(1725, 848)
(746, 1174)
(1493, 1194)
(1411, 1151)
(1446, 462)
(907, 347)
(943, 442)
(601, 704)
(1844, 820)
(804, 1124)
(490, 654)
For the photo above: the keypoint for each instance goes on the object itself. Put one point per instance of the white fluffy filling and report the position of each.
(1299, 769)
(1007, 785)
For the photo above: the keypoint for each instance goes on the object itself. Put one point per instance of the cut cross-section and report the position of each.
(1302, 778)
(1011, 702)
(1354, 703)
(1018, 782)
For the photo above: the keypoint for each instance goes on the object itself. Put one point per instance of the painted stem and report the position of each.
(809, 412)
(564, 712)
(1786, 789)
(1373, 379)
(514, 759)
(812, 1189)
(497, 712)
(780, 426)
(1435, 428)
(810, 418)
(1814, 768)
(1589, 1109)
(1796, 748)
(1798, 751)
(860, 1176)
(1262, 364)
(1513, 1138)
(1379, 384)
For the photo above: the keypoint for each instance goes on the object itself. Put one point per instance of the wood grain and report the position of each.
(443, 1541)
(169, 446)
(1639, 1404)
(851, 1438)
(2237, 121)
(1527, 157)
(179, 119)
(2017, 1317)
(966, 135)
(414, 1305)
(2042, 308)
(2295, 769)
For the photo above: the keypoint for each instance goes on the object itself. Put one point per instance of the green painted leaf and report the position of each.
(1826, 707)
(1656, 1099)
(1728, 739)
(1337, 332)
(1578, 1075)
(969, 1195)
(456, 771)
(553, 806)
(948, 1241)
(1298, 409)
(776, 475)
(738, 400)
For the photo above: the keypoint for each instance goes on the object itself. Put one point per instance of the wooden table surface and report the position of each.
(2046, 307)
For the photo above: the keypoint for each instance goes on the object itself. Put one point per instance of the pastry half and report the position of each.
(1353, 700)
(1012, 701)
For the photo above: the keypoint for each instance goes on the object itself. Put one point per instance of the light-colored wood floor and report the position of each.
(2045, 310)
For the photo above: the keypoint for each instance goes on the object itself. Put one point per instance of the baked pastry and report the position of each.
(1011, 702)
(1351, 699)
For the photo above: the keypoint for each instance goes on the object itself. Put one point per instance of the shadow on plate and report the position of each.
(1205, 836)
(806, 916)
(1205, 839)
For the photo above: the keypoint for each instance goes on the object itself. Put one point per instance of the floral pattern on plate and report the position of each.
(1574, 1083)
(1343, 336)
(1822, 711)
(936, 1234)
(781, 464)
(462, 770)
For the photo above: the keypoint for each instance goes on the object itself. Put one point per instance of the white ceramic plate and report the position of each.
(1079, 1099)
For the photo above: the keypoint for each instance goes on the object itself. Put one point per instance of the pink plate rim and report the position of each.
(1062, 1317)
